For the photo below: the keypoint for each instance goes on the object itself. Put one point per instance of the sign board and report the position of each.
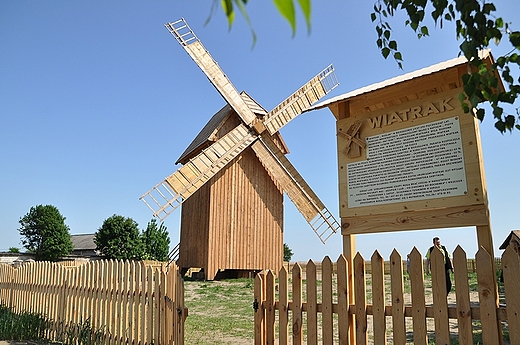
(409, 166)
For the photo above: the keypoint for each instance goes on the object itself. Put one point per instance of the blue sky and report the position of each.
(97, 102)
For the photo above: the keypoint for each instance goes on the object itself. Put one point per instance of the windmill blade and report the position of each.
(303, 98)
(190, 42)
(307, 202)
(169, 194)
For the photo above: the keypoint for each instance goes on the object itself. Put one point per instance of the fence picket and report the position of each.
(440, 312)
(326, 301)
(297, 321)
(312, 312)
(511, 269)
(488, 302)
(462, 297)
(259, 317)
(378, 298)
(420, 335)
(270, 308)
(283, 311)
(397, 290)
(360, 299)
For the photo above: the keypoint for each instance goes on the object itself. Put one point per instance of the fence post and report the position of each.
(270, 308)
(258, 305)
(360, 299)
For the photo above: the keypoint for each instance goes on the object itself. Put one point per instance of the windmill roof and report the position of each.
(206, 135)
(399, 79)
(83, 242)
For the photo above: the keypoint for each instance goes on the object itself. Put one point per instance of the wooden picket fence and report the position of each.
(327, 315)
(124, 302)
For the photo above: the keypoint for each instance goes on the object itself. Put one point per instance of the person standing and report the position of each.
(448, 267)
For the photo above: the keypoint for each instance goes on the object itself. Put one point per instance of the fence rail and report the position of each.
(130, 302)
(327, 315)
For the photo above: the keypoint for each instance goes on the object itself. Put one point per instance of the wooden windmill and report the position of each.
(233, 176)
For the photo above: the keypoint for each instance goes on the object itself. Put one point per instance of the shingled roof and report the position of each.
(207, 135)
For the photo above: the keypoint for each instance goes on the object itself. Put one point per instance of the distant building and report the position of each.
(84, 246)
(513, 239)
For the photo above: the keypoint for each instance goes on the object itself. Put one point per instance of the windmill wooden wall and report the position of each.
(235, 220)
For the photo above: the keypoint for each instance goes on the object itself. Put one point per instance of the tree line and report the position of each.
(45, 234)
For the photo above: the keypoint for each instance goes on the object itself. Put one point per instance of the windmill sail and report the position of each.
(300, 100)
(169, 194)
(307, 202)
(190, 42)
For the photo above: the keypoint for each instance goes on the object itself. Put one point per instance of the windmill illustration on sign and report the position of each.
(233, 176)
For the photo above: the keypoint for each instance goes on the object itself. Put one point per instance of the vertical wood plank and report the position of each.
(360, 300)
(440, 310)
(378, 298)
(462, 297)
(397, 289)
(349, 251)
(486, 289)
(312, 301)
(283, 310)
(270, 308)
(326, 302)
(420, 335)
(297, 322)
(343, 301)
(511, 269)
(259, 312)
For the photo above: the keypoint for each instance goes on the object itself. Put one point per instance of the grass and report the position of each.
(37, 328)
(220, 312)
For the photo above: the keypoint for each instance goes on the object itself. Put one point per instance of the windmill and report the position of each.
(216, 235)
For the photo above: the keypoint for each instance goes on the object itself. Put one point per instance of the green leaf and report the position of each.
(286, 9)
(398, 56)
(385, 51)
(392, 45)
(480, 114)
(424, 30)
(305, 6)
(514, 38)
(373, 16)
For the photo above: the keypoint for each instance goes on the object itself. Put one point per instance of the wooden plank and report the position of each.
(360, 300)
(283, 311)
(438, 218)
(219, 80)
(343, 300)
(312, 301)
(259, 316)
(462, 297)
(297, 322)
(326, 302)
(487, 297)
(442, 330)
(397, 290)
(270, 307)
(378, 298)
(420, 335)
(511, 269)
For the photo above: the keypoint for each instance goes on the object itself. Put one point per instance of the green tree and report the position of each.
(156, 241)
(119, 238)
(287, 253)
(14, 250)
(476, 26)
(45, 233)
